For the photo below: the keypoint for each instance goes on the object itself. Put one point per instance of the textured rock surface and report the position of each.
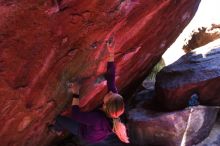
(148, 125)
(198, 71)
(186, 127)
(41, 48)
(214, 137)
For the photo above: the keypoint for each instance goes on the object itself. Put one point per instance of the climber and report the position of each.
(95, 126)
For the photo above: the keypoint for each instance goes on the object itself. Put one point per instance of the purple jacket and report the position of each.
(95, 125)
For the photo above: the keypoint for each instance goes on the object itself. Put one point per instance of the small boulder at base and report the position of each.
(185, 127)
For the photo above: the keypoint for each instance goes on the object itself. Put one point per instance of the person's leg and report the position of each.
(66, 123)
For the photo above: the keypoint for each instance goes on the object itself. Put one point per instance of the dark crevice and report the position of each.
(116, 8)
(69, 53)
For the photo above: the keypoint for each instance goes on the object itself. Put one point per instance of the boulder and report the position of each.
(195, 72)
(43, 44)
(185, 127)
(214, 137)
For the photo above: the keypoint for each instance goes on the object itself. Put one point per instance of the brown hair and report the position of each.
(114, 107)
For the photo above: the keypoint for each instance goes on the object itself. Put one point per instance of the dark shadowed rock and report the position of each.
(148, 126)
(185, 127)
(197, 71)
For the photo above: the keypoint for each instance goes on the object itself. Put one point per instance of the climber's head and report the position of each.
(113, 105)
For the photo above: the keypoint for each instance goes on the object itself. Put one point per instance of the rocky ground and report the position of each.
(214, 137)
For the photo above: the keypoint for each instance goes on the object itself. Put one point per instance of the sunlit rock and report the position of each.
(26, 121)
(214, 137)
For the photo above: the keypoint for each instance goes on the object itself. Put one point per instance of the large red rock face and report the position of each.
(42, 48)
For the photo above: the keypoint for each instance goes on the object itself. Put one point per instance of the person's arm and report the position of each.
(81, 117)
(111, 57)
(75, 100)
(73, 89)
(110, 74)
